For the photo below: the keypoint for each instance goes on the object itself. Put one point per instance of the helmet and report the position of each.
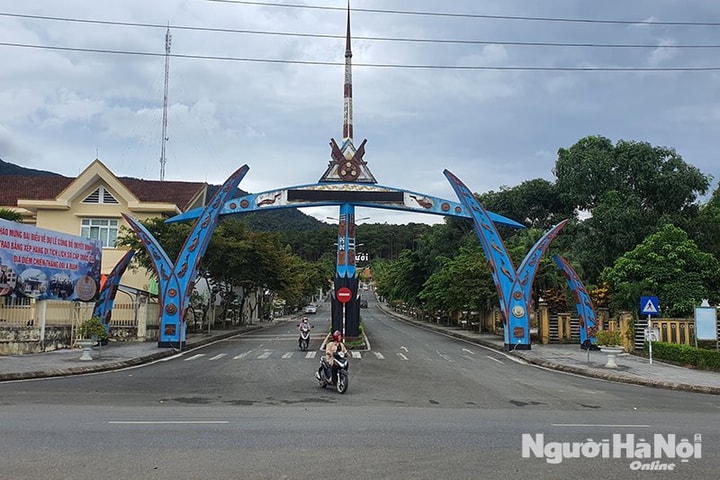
(337, 335)
(304, 319)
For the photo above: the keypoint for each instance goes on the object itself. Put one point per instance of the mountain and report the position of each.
(12, 169)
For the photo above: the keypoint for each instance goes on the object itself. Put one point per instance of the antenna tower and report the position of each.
(163, 160)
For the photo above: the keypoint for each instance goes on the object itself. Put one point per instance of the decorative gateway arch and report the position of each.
(349, 183)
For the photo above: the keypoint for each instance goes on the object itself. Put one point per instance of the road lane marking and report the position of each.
(468, 351)
(404, 348)
(218, 357)
(584, 425)
(356, 354)
(264, 355)
(197, 355)
(310, 354)
(495, 359)
(442, 355)
(401, 356)
(170, 422)
(287, 355)
(379, 355)
(242, 355)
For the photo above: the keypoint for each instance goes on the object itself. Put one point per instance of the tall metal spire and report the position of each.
(347, 105)
(163, 159)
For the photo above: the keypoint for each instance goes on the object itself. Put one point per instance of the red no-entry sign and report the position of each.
(343, 294)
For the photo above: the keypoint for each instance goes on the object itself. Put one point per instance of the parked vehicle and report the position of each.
(310, 309)
(338, 373)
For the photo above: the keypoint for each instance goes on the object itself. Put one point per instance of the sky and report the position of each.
(261, 84)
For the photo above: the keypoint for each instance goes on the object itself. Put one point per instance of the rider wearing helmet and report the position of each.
(330, 349)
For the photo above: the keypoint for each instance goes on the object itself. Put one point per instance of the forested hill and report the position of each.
(12, 169)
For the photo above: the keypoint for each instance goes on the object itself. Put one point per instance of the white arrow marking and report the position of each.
(404, 348)
(468, 351)
(402, 356)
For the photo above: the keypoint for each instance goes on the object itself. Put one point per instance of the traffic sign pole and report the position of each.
(650, 337)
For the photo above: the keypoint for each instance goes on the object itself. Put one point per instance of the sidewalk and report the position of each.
(112, 356)
(562, 357)
(571, 358)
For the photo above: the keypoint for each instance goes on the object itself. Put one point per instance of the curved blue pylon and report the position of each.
(104, 304)
(583, 303)
(175, 281)
(514, 287)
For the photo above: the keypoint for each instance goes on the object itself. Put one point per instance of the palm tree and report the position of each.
(11, 215)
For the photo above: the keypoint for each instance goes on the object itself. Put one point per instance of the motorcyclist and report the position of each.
(303, 327)
(330, 349)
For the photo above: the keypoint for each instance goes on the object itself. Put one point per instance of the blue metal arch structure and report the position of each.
(175, 281)
(356, 194)
(583, 303)
(514, 287)
(104, 304)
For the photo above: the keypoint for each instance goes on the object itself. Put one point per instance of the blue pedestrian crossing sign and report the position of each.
(649, 306)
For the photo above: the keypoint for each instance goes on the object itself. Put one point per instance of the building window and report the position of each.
(103, 229)
(100, 195)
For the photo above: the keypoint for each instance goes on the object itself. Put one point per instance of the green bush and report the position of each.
(93, 329)
(606, 337)
(686, 355)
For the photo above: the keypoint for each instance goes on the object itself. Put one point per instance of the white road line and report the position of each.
(442, 355)
(197, 355)
(170, 422)
(264, 355)
(242, 355)
(287, 355)
(468, 351)
(310, 354)
(379, 355)
(356, 354)
(495, 359)
(402, 356)
(585, 425)
(404, 348)
(171, 358)
(218, 357)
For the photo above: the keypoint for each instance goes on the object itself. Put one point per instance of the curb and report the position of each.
(130, 362)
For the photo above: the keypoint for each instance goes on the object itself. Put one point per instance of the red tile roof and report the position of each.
(14, 187)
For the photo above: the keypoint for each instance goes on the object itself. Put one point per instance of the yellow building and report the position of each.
(91, 206)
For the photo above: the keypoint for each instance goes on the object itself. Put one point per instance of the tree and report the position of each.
(670, 266)
(462, 283)
(624, 192)
(12, 215)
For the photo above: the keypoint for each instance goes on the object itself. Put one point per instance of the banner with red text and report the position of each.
(40, 263)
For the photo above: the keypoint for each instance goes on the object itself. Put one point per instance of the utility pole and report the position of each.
(163, 160)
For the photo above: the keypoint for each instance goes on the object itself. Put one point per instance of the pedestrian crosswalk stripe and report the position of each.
(356, 354)
(197, 355)
(379, 355)
(264, 355)
(218, 357)
(310, 354)
(242, 355)
(287, 355)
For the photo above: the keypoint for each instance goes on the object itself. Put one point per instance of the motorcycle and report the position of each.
(304, 339)
(339, 372)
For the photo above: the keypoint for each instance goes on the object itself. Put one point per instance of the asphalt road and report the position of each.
(419, 405)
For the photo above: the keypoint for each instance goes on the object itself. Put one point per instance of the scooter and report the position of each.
(304, 339)
(339, 372)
